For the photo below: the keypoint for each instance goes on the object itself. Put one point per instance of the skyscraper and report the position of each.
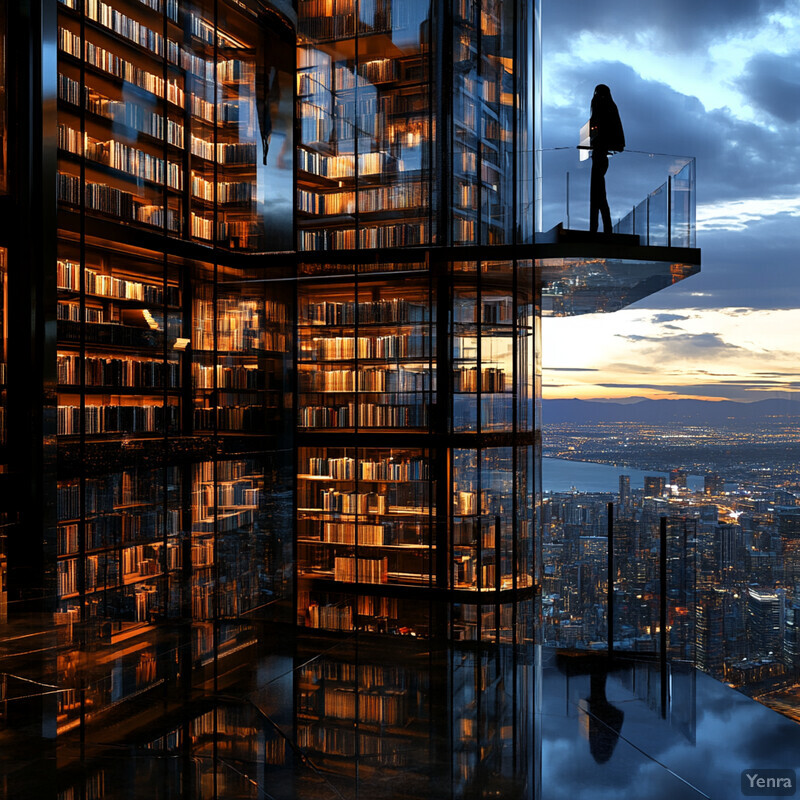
(654, 486)
(624, 495)
(272, 296)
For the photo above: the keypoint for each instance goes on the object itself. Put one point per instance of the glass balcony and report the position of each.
(650, 195)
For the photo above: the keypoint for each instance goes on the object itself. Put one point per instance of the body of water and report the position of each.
(560, 475)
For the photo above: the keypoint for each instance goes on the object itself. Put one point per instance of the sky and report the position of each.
(718, 80)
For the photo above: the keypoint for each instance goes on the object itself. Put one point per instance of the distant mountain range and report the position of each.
(702, 412)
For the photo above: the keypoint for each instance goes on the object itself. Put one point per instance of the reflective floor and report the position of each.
(327, 718)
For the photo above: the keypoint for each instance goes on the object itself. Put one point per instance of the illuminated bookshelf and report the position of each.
(159, 124)
(365, 155)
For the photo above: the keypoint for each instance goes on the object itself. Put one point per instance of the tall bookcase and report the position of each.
(415, 370)
(365, 155)
(171, 368)
(415, 446)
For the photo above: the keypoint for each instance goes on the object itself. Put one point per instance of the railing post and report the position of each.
(662, 615)
(610, 580)
(647, 199)
(669, 210)
(568, 200)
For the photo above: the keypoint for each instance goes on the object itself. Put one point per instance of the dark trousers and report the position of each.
(598, 204)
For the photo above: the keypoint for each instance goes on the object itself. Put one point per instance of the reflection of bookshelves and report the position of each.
(237, 361)
(129, 541)
(364, 131)
(372, 711)
(227, 533)
(156, 150)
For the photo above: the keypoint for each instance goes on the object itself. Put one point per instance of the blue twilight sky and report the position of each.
(719, 80)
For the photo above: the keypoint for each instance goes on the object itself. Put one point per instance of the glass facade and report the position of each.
(412, 378)
(284, 300)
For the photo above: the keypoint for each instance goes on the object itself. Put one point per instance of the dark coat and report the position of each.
(605, 126)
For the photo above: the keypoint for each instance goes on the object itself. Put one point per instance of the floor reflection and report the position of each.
(322, 718)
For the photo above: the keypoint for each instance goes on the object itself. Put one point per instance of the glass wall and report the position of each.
(388, 91)
(173, 490)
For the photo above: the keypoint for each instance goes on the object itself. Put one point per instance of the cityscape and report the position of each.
(733, 492)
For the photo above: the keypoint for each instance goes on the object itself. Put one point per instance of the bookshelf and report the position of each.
(364, 517)
(119, 322)
(228, 537)
(483, 353)
(483, 101)
(364, 106)
(240, 338)
(158, 118)
(365, 358)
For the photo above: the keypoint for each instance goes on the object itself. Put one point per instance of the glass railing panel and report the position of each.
(683, 207)
(632, 177)
(658, 216)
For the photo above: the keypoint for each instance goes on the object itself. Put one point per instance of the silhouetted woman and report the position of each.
(605, 134)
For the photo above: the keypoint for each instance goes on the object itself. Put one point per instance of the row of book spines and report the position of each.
(345, 469)
(373, 379)
(343, 166)
(116, 202)
(373, 116)
(392, 345)
(378, 70)
(334, 500)
(123, 111)
(399, 197)
(242, 342)
(361, 675)
(380, 708)
(332, 618)
(392, 235)
(369, 415)
(225, 191)
(337, 742)
(232, 418)
(71, 312)
(225, 152)
(238, 313)
(123, 372)
(99, 283)
(116, 419)
(229, 70)
(231, 493)
(122, 157)
(396, 310)
(345, 533)
(243, 232)
(117, 530)
(227, 377)
(492, 379)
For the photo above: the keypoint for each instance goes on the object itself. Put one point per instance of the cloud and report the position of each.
(659, 318)
(679, 24)
(683, 341)
(570, 369)
(734, 390)
(772, 82)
